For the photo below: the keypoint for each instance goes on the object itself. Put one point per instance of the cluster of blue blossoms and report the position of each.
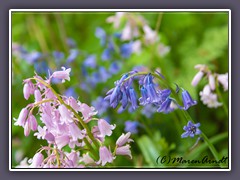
(113, 49)
(124, 93)
(151, 96)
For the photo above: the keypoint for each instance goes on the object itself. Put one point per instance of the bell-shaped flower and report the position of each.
(187, 100)
(223, 79)
(22, 118)
(123, 139)
(133, 98)
(31, 124)
(105, 156)
(87, 159)
(75, 132)
(37, 161)
(105, 128)
(62, 141)
(211, 79)
(166, 106)
(124, 150)
(37, 95)
(87, 112)
(208, 98)
(28, 89)
(197, 78)
(66, 115)
(63, 75)
(150, 86)
(144, 99)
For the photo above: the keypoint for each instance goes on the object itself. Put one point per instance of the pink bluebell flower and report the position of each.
(22, 118)
(37, 161)
(123, 139)
(105, 156)
(63, 75)
(124, 150)
(105, 128)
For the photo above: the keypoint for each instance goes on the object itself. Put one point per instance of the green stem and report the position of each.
(210, 145)
(212, 149)
(62, 31)
(58, 158)
(221, 98)
(159, 20)
(74, 112)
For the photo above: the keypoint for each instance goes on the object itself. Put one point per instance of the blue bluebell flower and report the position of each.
(85, 86)
(70, 92)
(93, 80)
(90, 61)
(150, 87)
(148, 110)
(114, 67)
(131, 126)
(41, 67)
(32, 57)
(124, 76)
(101, 105)
(133, 98)
(164, 94)
(124, 100)
(126, 50)
(115, 97)
(117, 35)
(187, 100)
(58, 56)
(165, 107)
(71, 43)
(144, 99)
(191, 130)
(101, 34)
(103, 74)
(106, 55)
(72, 56)
(84, 71)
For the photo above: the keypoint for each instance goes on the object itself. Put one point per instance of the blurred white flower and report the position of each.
(197, 78)
(136, 46)
(208, 98)
(163, 50)
(116, 19)
(211, 80)
(223, 79)
(149, 35)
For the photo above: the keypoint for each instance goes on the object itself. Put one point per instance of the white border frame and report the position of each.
(116, 10)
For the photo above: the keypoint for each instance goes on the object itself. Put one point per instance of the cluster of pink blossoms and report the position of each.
(65, 121)
(208, 95)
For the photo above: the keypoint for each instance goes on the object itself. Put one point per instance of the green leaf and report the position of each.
(149, 150)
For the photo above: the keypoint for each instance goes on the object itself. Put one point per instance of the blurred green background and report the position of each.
(193, 38)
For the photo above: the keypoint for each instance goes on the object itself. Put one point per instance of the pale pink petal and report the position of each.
(124, 150)
(123, 139)
(105, 128)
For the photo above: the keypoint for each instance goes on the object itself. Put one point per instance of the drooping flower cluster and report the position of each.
(64, 122)
(208, 95)
(151, 93)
